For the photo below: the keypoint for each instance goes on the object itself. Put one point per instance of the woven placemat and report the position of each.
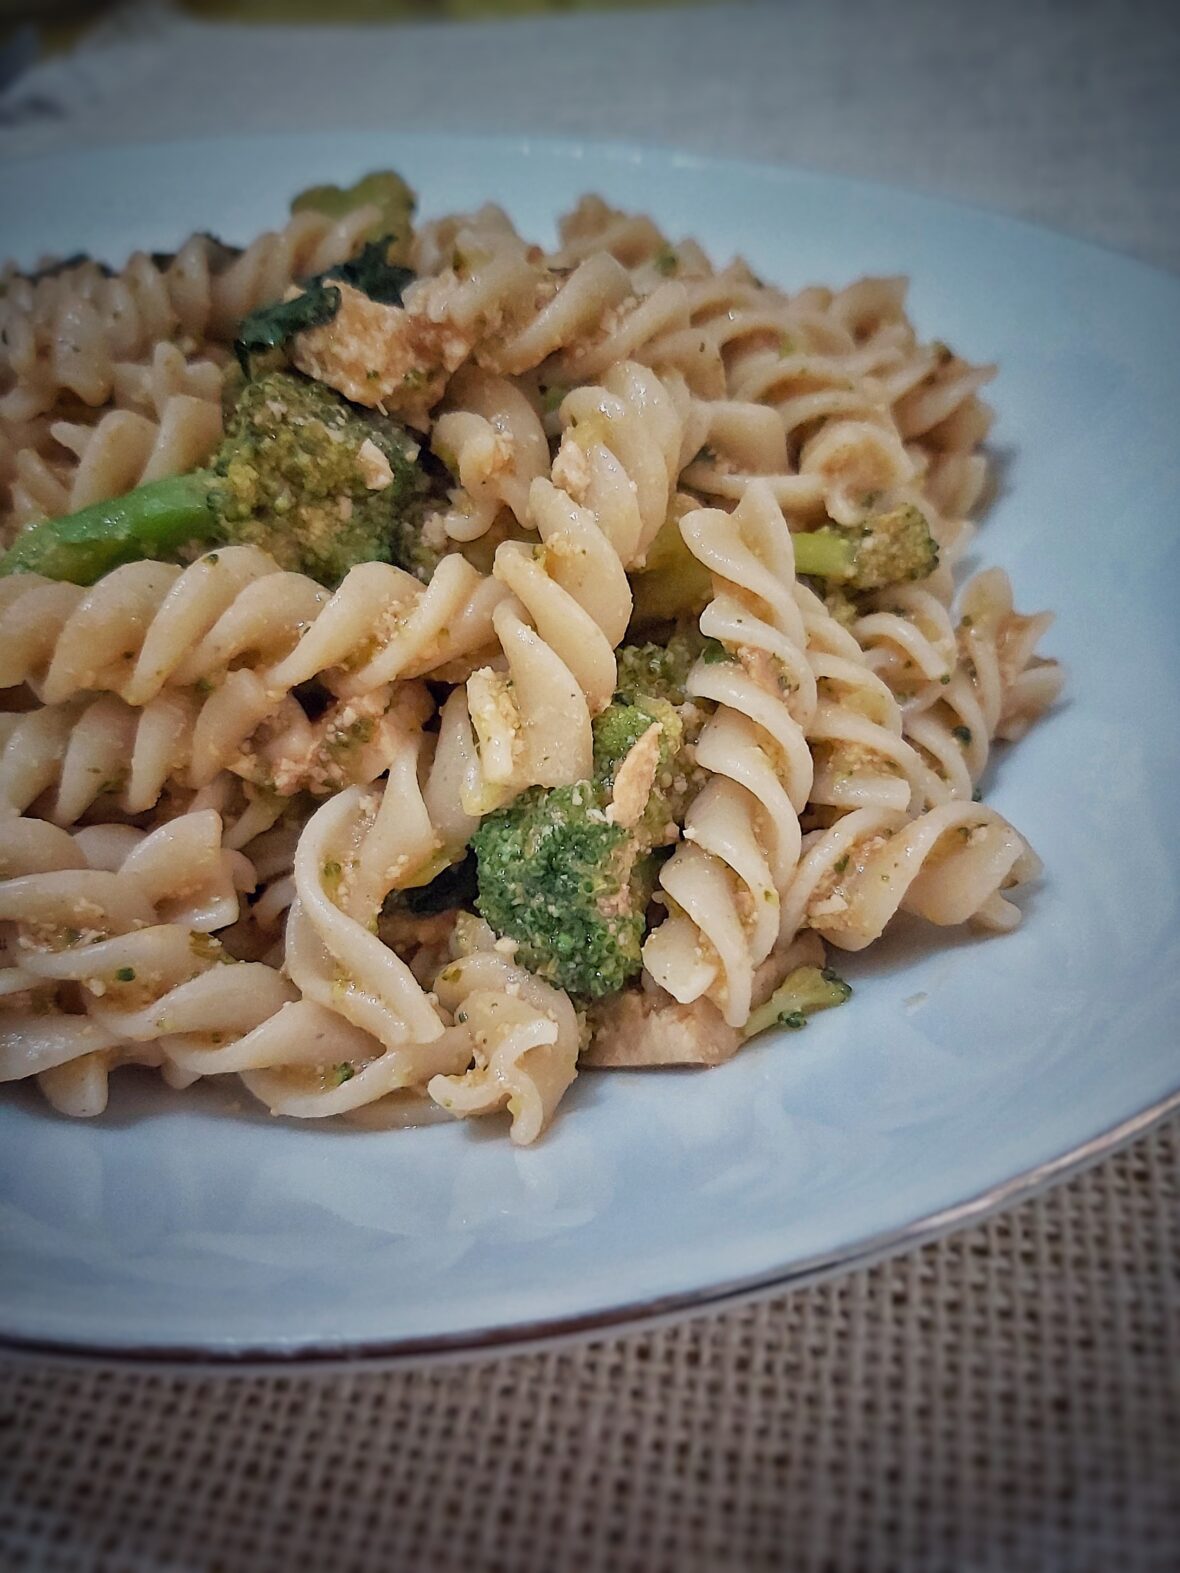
(1006, 1399)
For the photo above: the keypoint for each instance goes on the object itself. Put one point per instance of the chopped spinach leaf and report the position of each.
(272, 327)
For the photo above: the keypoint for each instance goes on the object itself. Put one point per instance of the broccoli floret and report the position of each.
(384, 190)
(616, 732)
(623, 723)
(841, 605)
(887, 548)
(318, 483)
(567, 883)
(801, 993)
(657, 670)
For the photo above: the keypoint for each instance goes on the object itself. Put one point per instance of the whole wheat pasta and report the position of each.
(401, 775)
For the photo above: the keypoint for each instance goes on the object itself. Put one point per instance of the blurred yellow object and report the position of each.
(59, 24)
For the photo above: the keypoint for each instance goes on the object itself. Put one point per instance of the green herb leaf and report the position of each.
(373, 274)
(714, 652)
(273, 327)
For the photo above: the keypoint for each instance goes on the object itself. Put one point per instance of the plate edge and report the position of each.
(262, 1359)
(625, 149)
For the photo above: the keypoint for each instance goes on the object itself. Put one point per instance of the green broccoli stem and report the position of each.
(825, 553)
(151, 521)
(799, 995)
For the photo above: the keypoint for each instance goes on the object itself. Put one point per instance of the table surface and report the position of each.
(1005, 1399)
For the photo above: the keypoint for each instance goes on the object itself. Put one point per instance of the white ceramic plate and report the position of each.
(963, 1071)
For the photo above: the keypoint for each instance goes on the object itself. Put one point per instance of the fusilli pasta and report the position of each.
(416, 836)
(609, 493)
(68, 330)
(163, 418)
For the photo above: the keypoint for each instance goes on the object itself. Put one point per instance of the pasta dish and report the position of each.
(433, 664)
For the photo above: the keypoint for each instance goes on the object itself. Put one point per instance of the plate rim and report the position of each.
(233, 1356)
(632, 1317)
(623, 149)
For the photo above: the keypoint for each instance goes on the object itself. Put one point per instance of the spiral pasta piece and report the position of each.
(131, 943)
(166, 419)
(353, 851)
(943, 422)
(510, 306)
(120, 451)
(524, 1040)
(592, 225)
(861, 755)
(995, 685)
(149, 626)
(611, 486)
(80, 750)
(725, 882)
(171, 644)
(108, 921)
(492, 440)
(839, 447)
(65, 333)
(92, 751)
(949, 865)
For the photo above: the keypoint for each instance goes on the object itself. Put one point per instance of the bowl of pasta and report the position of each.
(499, 638)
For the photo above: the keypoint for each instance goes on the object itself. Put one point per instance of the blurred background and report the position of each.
(31, 28)
(1064, 112)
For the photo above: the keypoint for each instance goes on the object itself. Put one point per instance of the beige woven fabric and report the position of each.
(1004, 1400)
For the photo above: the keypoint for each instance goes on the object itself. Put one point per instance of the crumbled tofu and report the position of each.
(648, 1027)
(635, 778)
(571, 469)
(386, 357)
(376, 470)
